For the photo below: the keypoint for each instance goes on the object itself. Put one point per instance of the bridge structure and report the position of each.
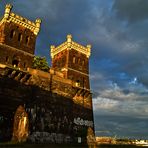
(38, 106)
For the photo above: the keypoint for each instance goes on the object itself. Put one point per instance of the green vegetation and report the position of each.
(40, 63)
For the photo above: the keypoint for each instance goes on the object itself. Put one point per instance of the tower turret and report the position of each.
(7, 11)
(37, 26)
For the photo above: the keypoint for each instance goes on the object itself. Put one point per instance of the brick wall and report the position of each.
(17, 36)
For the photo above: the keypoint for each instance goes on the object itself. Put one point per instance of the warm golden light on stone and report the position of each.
(20, 127)
(91, 141)
(69, 44)
(12, 17)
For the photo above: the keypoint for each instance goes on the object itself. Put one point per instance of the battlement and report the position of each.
(69, 44)
(12, 17)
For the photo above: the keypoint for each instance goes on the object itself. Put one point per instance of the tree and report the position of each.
(40, 63)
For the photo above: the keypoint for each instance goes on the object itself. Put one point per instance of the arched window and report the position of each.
(27, 39)
(12, 33)
(74, 59)
(19, 37)
(24, 64)
(78, 83)
(15, 63)
(84, 82)
(7, 58)
(78, 60)
(83, 62)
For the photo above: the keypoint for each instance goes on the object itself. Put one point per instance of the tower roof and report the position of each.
(69, 44)
(12, 17)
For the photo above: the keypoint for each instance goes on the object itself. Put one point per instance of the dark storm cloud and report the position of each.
(132, 10)
(121, 43)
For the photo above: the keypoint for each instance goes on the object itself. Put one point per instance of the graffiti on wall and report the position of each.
(79, 121)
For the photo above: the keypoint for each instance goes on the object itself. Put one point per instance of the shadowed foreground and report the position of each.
(26, 145)
(7, 145)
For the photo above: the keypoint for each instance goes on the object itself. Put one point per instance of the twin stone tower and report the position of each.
(38, 106)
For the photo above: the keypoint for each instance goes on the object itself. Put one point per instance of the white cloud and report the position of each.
(125, 105)
(96, 76)
(104, 103)
(113, 100)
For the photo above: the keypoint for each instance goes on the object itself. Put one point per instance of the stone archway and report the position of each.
(21, 125)
(16, 61)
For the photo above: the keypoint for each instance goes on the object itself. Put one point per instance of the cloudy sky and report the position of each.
(118, 33)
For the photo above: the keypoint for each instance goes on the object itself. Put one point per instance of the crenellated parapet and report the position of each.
(70, 44)
(12, 17)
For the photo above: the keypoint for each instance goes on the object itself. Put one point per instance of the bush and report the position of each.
(40, 63)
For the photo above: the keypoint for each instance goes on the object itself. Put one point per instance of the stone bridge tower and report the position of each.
(72, 59)
(17, 39)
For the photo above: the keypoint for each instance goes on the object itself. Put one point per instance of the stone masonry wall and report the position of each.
(10, 54)
(50, 107)
(18, 37)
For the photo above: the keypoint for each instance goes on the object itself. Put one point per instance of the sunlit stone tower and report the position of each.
(17, 39)
(72, 59)
(17, 46)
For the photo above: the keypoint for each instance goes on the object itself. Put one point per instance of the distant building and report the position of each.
(53, 106)
(104, 140)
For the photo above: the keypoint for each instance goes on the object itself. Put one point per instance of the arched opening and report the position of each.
(84, 82)
(78, 83)
(20, 125)
(7, 58)
(83, 62)
(15, 63)
(12, 33)
(79, 60)
(27, 39)
(20, 37)
(24, 64)
(74, 59)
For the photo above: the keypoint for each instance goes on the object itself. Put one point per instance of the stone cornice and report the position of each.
(66, 69)
(12, 17)
(55, 50)
(69, 44)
